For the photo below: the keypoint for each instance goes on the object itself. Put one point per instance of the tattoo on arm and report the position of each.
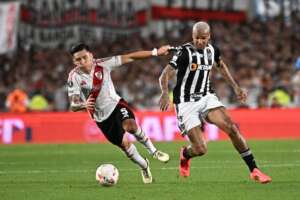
(164, 78)
(76, 103)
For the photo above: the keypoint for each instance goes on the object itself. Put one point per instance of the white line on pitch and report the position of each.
(131, 169)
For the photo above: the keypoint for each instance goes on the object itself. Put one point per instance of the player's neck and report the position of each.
(198, 48)
(86, 70)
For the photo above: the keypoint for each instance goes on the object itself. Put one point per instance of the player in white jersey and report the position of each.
(90, 88)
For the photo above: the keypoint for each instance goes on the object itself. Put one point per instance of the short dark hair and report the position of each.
(78, 47)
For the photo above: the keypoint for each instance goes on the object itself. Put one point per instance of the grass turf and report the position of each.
(68, 172)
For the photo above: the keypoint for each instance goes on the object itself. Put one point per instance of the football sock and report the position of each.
(249, 159)
(143, 139)
(134, 155)
(188, 152)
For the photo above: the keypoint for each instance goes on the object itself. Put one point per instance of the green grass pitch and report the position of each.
(68, 172)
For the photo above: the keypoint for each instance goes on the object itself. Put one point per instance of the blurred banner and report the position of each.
(163, 13)
(9, 18)
(79, 128)
(224, 10)
(54, 23)
(51, 23)
(225, 5)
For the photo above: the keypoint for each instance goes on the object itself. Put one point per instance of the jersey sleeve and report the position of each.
(180, 58)
(110, 63)
(217, 57)
(73, 85)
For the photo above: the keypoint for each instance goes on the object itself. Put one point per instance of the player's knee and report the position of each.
(200, 150)
(125, 145)
(233, 129)
(130, 126)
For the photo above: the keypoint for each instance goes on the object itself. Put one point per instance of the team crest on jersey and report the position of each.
(179, 53)
(99, 75)
(209, 55)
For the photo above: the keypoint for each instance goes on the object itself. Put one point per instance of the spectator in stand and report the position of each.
(39, 103)
(258, 63)
(17, 101)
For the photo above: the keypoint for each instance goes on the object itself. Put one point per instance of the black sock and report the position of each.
(187, 152)
(249, 159)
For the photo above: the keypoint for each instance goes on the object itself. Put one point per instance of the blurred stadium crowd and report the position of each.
(262, 57)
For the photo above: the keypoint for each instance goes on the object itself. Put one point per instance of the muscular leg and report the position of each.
(132, 153)
(220, 118)
(198, 145)
(130, 126)
(197, 148)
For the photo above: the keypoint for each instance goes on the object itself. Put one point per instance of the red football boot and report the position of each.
(184, 166)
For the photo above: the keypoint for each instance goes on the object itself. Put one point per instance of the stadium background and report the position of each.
(259, 40)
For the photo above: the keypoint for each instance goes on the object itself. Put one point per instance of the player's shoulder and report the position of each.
(182, 49)
(187, 45)
(213, 46)
(99, 61)
(75, 72)
(107, 62)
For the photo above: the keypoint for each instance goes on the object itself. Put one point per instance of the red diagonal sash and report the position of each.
(97, 85)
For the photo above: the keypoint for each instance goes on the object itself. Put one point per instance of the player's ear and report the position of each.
(91, 55)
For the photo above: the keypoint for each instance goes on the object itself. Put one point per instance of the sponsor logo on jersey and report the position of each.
(194, 67)
(209, 55)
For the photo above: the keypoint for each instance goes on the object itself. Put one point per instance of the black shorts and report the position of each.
(112, 127)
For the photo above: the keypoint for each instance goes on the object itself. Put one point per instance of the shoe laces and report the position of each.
(158, 153)
(145, 173)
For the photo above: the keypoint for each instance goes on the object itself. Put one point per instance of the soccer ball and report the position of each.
(107, 175)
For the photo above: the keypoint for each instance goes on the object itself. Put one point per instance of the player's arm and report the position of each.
(167, 74)
(241, 95)
(77, 104)
(127, 58)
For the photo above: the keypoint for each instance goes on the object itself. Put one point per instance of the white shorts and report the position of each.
(191, 114)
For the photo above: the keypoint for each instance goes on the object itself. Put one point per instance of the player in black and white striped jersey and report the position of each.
(195, 99)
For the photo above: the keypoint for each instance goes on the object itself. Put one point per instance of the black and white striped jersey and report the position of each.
(193, 67)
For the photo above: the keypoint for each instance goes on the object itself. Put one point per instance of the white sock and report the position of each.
(143, 139)
(134, 155)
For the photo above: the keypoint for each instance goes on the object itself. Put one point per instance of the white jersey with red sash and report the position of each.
(98, 84)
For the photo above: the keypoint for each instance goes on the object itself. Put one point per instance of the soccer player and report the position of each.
(90, 88)
(195, 100)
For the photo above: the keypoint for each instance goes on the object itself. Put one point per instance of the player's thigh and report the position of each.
(125, 117)
(188, 117)
(112, 130)
(219, 117)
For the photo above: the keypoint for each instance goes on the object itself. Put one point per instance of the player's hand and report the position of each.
(241, 95)
(90, 103)
(163, 50)
(164, 101)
